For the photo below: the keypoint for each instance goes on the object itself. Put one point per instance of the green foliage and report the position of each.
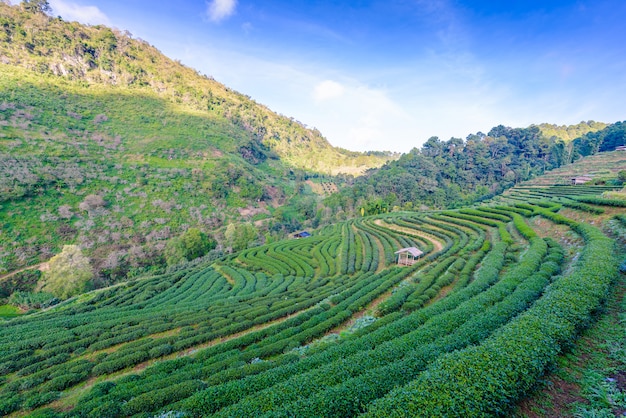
(90, 111)
(23, 281)
(31, 300)
(266, 336)
(606, 139)
(486, 379)
(602, 201)
(69, 273)
(9, 311)
(571, 132)
(138, 171)
(239, 236)
(454, 173)
(190, 245)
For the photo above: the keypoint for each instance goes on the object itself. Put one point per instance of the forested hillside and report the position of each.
(98, 55)
(453, 173)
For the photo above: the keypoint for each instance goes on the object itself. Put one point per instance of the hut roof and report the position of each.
(415, 252)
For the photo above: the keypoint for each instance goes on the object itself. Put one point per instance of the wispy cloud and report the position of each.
(446, 20)
(218, 10)
(327, 90)
(85, 14)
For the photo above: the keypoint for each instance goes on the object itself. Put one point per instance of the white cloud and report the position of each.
(327, 90)
(218, 10)
(84, 14)
(367, 118)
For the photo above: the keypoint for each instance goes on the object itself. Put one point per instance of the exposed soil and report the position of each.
(40, 267)
(620, 380)
(561, 395)
(250, 211)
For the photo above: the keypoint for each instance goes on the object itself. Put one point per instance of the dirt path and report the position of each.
(437, 245)
(40, 267)
(229, 279)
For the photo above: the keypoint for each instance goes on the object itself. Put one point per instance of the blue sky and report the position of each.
(387, 75)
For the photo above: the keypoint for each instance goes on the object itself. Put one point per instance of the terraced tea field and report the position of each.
(604, 164)
(330, 325)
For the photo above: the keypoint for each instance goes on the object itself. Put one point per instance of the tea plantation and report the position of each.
(330, 325)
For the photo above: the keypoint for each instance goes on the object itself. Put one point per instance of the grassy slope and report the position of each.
(172, 169)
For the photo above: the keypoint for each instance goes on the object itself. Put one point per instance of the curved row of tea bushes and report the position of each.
(410, 230)
(217, 350)
(348, 250)
(395, 362)
(370, 252)
(350, 397)
(347, 305)
(487, 379)
(601, 201)
(429, 282)
(574, 204)
(487, 275)
(132, 354)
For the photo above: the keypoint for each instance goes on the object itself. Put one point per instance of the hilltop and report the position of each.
(444, 174)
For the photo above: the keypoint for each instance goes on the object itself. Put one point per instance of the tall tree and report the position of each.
(36, 6)
(70, 273)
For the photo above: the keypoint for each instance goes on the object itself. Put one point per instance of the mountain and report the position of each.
(101, 56)
(107, 143)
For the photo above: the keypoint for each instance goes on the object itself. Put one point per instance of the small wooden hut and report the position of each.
(408, 256)
(581, 180)
(302, 234)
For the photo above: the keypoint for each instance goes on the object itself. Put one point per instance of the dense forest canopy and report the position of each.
(457, 172)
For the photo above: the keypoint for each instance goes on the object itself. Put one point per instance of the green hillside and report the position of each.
(106, 143)
(97, 56)
(330, 325)
(453, 173)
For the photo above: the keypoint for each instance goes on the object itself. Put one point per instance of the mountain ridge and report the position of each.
(99, 55)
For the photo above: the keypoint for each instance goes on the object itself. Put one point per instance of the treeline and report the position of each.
(453, 173)
(605, 140)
